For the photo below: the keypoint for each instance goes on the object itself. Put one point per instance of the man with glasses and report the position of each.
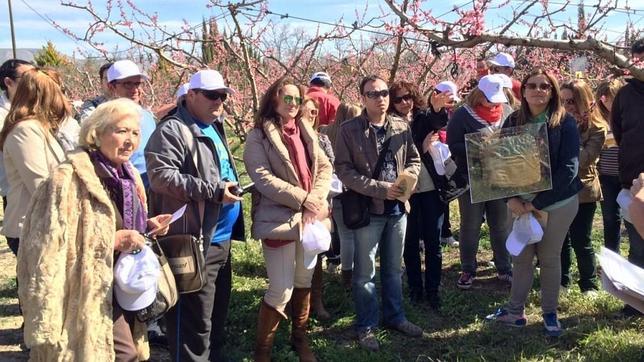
(320, 91)
(503, 63)
(627, 125)
(372, 150)
(195, 326)
(124, 79)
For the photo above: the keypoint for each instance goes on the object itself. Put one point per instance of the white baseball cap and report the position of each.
(449, 86)
(124, 69)
(503, 60)
(316, 239)
(209, 79)
(507, 81)
(136, 279)
(492, 86)
(183, 89)
(322, 76)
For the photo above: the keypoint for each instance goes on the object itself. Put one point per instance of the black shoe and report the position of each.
(434, 300)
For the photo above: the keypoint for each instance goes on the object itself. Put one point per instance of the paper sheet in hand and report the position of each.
(624, 275)
(175, 216)
(407, 183)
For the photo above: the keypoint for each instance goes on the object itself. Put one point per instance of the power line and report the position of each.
(53, 25)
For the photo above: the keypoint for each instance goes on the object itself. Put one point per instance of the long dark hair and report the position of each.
(412, 89)
(557, 111)
(8, 69)
(267, 105)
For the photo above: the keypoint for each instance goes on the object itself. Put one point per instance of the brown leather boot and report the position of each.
(267, 323)
(317, 307)
(300, 302)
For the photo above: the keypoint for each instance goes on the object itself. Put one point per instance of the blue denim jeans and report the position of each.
(388, 233)
(611, 212)
(346, 235)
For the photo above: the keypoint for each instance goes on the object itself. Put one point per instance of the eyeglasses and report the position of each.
(375, 94)
(542, 86)
(213, 95)
(568, 101)
(130, 85)
(292, 100)
(407, 97)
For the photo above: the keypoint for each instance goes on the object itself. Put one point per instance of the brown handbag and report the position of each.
(185, 252)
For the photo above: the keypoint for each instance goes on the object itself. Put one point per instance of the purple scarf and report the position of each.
(120, 185)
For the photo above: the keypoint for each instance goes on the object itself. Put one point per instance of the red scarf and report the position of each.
(297, 153)
(490, 115)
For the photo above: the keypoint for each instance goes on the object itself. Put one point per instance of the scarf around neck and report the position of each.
(297, 153)
(489, 115)
(121, 187)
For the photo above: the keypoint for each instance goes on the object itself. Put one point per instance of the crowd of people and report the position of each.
(81, 190)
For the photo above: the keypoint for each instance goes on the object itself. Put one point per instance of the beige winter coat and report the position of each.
(277, 204)
(65, 265)
(30, 154)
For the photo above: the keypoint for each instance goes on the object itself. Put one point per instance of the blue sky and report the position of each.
(32, 31)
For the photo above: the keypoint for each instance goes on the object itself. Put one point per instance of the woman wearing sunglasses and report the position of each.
(292, 178)
(578, 100)
(426, 215)
(485, 109)
(541, 103)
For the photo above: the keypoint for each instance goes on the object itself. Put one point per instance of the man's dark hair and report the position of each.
(8, 70)
(103, 69)
(368, 79)
(319, 82)
(638, 47)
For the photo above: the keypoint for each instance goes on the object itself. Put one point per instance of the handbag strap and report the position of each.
(381, 157)
(192, 145)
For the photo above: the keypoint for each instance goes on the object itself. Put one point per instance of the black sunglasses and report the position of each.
(213, 95)
(375, 94)
(406, 97)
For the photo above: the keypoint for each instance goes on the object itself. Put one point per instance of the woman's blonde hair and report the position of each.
(585, 103)
(475, 98)
(607, 88)
(39, 96)
(346, 111)
(103, 116)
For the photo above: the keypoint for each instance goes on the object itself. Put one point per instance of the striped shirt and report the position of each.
(609, 157)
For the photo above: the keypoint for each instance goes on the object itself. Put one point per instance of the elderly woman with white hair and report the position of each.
(92, 208)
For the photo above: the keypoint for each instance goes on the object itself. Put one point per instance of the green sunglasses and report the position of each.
(292, 100)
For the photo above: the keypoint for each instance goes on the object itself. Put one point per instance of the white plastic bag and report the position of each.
(316, 239)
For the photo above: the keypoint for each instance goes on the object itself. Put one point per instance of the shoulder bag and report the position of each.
(185, 252)
(355, 206)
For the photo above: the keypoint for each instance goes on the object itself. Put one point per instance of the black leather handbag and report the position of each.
(355, 206)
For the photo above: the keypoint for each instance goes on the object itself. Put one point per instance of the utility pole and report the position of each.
(13, 35)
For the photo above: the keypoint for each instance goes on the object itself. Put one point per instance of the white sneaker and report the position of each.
(449, 241)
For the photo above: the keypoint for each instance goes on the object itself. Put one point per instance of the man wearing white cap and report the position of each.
(503, 63)
(195, 326)
(124, 81)
(319, 90)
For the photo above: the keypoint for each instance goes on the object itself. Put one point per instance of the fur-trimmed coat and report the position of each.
(65, 265)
